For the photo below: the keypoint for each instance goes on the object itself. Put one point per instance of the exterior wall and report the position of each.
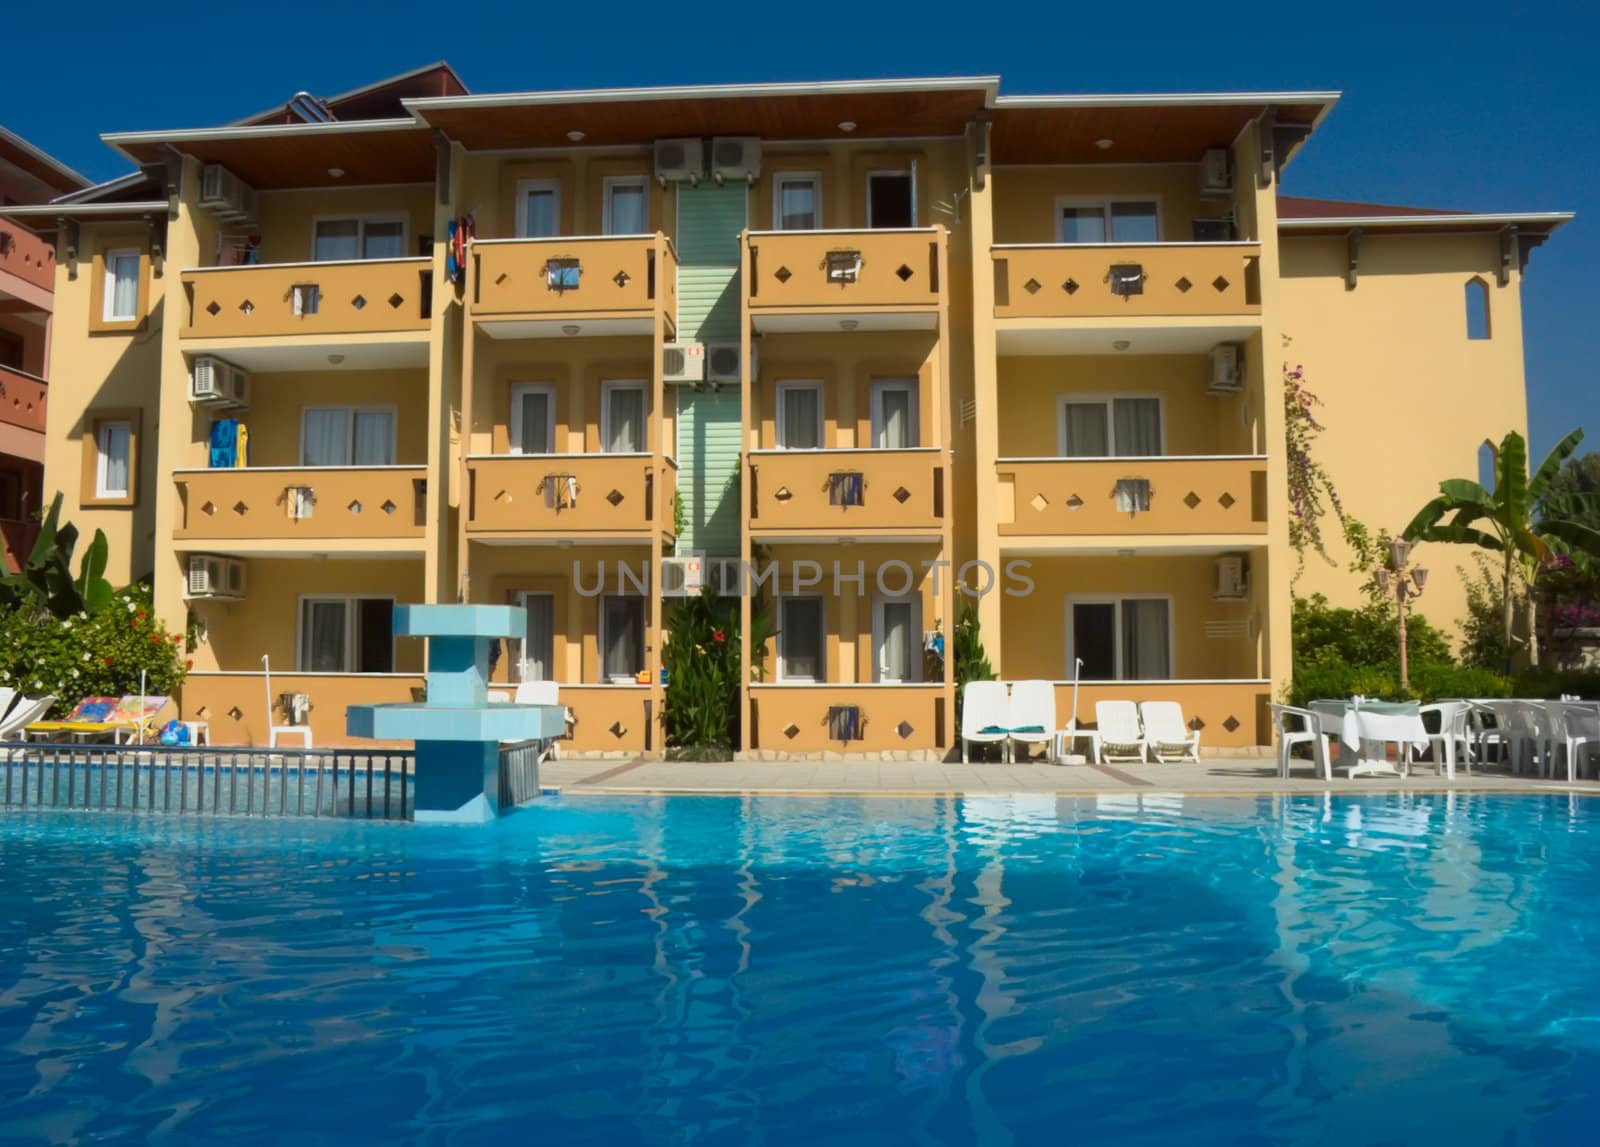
(578, 367)
(846, 365)
(285, 218)
(1407, 398)
(1025, 197)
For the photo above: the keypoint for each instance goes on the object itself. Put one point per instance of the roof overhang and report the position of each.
(44, 167)
(1543, 222)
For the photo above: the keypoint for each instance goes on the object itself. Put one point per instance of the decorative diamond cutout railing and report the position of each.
(1074, 503)
(209, 509)
(1197, 725)
(388, 508)
(1039, 503)
(615, 497)
(246, 307)
(236, 713)
(783, 274)
(1221, 285)
(213, 308)
(1032, 286)
(782, 494)
(359, 302)
(791, 730)
(618, 730)
(355, 506)
(904, 273)
(1183, 286)
(396, 300)
(905, 729)
(1191, 499)
(241, 509)
(1226, 501)
(901, 495)
(1231, 724)
(1070, 286)
(620, 278)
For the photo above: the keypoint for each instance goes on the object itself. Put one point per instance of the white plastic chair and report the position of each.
(7, 696)
(26, 712)
(1452, 731)
(276, 731)
(545, 693)
(1306, 730)
(1576, 724)
(985, 716)
(1165, 733)
(1033, 716)
(1121, 738)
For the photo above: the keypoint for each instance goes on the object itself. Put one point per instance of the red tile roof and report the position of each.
(1297, 207)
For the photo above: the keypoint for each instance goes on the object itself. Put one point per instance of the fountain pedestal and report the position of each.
(456, 730)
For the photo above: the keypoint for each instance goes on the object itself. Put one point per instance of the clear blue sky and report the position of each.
(1460, 105)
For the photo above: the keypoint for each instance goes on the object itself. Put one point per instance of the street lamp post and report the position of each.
(1405, 583)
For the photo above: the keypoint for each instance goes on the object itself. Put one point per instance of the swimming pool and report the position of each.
(780, 970)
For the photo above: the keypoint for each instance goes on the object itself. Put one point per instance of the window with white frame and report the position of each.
(1108, 221)
(896, 639)
(796, 202)
(895, 414)
(538, 208)
(113, 460)
(624, 205)
(347, 436)
(1120, 638)
(1110, 427)
(357, 237)
(533, 418)
(539, 639)
(799, 416)
(622, 415)
(801, 647)
(346, 634)
(121, 287)
(621, 638)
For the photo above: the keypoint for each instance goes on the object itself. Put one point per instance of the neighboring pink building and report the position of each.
(27, 288)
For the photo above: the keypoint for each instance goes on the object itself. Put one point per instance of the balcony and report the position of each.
(822, 280)
(234, 704)
(309, 300)
(1119, 281)
(533, 496)
(847, 718)
(610, 718)
(828, 493)
(540, 288)
(1111, 497)
(283, 506)
(26, 256)
(22, 402)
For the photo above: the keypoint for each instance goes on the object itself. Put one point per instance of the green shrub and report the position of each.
(1428, 683)
(1366, 636)
(1551, 683)
(701, 657)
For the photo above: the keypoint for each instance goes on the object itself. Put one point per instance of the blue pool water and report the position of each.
(717, 970)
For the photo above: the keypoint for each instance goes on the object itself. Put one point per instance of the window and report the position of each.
(539, 641)
(625, 208)
(538, 208)
(346, 635)
(1111, 428)
(796, 202)
(533, 418)
(895, 419)
(799, 416)
(1109, 221)
(347, 436)
(1121, 638)
(621, 638)
(345, 240)
(10, 350)
(1477, 309)
(121, 297)
(622, 429)
(896, 643)
(800, 641)
(892, 199)
(113, 469)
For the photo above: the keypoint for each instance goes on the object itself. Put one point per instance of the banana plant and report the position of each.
(1522, 519)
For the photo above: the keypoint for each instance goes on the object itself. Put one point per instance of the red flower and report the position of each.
(718, 636)
(154, 639)
(109, 660)
(189, 664)
(143, 615)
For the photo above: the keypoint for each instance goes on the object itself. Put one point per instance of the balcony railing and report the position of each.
(1229, 712)
(22, 399)
(855, 718)
(849, 270)
(596, 495)
(612, 276)
(234, 705)
(1111, 280)
(25, 255)
(370, 296)
(296, 503)
(610, 718)
(827, 491)
(1101, 496)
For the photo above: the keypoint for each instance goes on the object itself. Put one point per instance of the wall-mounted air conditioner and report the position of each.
(1226, 377)
(225, 195)
(683, 362)
(735, 157)
(1233, 580)
(678, 160)
(215, 382)
(683, 576)
(722, 362)
(1216, 172)
(214, 577)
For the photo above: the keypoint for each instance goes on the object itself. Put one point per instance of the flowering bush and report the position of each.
(1311, 491)
(90, 654)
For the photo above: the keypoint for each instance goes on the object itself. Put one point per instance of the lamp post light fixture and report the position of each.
(1406, 584)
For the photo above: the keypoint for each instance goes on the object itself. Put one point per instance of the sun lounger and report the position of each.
(1121, 738)
(125, 718)
(1165, 733)
(1033, 716)
(985, 716)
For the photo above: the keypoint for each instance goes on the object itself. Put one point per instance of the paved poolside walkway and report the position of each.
(868, 777)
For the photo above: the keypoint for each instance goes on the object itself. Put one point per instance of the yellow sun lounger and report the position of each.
(120, 719)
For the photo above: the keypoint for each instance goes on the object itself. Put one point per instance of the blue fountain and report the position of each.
(456, 730)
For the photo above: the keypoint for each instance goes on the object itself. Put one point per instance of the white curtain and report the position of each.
(897, 427)
(539, 214)
(374, 443)
(1146, 652)
(533, 415)
(1133, 495)
(114, 442)
(337, 239)
(322, 638)
(1138, 427)
(797, 206)
(623, 631)
(625, 420)
(898, 652)
(627, 210)
(384, 241)
(538, 646)
(326, 440)
(1087, 435)
(125, 286)
(800, 418)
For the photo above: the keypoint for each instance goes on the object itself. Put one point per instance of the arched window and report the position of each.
(1477, 309)
(1486, 466)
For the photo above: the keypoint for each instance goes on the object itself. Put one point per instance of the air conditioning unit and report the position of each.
(213, 577)
(1226, 377)
(678, 160)
(722, 362)
(683, 362)
(225, 195)
(683, 576)
(735, 157)
(214, 382)
(1233, 582)
(1216, 172)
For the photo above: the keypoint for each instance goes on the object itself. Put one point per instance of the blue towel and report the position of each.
(224, 443)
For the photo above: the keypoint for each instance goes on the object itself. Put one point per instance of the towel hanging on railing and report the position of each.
(846, 488)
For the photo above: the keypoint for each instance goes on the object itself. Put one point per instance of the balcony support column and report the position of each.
(747, 737)
(984, 428)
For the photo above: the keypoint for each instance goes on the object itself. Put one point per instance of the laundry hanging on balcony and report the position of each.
(228, 444)
(560, 491)
(845, 722)
(846, 488)
(462, 230)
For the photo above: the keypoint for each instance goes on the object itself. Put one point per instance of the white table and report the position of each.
(1379, 723)
(1065, 738)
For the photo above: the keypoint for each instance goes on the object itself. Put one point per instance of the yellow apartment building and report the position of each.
(846, 346)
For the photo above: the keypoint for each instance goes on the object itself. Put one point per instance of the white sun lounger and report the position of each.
(985, 716)
(1121, 738)
(1165, 733)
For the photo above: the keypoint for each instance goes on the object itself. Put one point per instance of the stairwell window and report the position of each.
(622, 428)
(796, 202)
(799, 416)
(800, 639)
(354, 238)
(347, 436)
(1110, 427)
(353, 634)
(1108, 221)
(120, 298)
(1477, 309)
(625, 205)
(538, 208)
(113, 469)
